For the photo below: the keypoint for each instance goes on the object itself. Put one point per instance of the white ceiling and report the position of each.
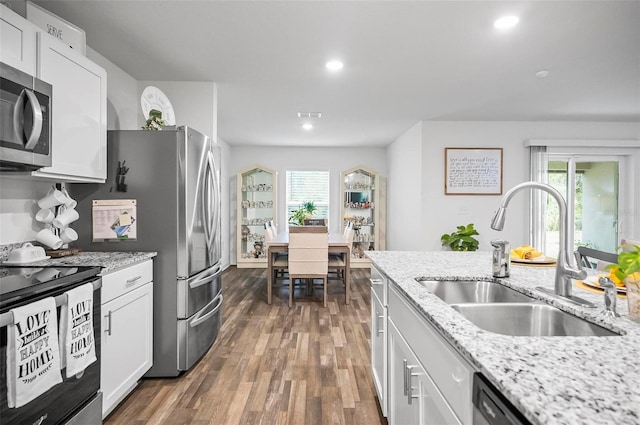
(405, 61)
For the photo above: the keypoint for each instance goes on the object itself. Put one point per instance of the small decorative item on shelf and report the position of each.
(627, 272)
(154, 121)
(462, 240)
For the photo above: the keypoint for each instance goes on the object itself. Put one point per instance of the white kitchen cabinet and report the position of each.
(413, 397)
(127, 331)
(17, 41)
(79, 113)
(446, 392)
(379, 336)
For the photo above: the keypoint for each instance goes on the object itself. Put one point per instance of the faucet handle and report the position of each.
(501, 258)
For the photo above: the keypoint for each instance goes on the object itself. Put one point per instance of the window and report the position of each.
(308, 186)
(596, 182)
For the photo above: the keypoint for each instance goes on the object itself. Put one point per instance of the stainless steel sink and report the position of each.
(473, 291)
(535, 319)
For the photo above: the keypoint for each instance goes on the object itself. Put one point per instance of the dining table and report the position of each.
(338, 244)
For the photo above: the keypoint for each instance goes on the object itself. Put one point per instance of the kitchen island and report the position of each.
(550, 380)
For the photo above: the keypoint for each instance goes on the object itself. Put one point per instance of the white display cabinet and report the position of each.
(363, 203)
(256, 195)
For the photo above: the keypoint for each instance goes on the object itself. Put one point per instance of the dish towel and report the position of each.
(33, 357)
(77, 342)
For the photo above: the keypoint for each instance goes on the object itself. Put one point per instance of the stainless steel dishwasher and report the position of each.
(490, 407)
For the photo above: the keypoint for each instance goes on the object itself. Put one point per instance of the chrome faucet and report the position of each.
(566, 268)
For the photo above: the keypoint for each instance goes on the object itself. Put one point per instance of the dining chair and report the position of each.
(280, 259)
(337, 263)
(308, 256)
(595, 259)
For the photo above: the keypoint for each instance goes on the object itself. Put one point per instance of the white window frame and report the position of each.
(629, 153)
(289, 206)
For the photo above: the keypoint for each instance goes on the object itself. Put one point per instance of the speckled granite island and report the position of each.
(550, 380)
(109, 261)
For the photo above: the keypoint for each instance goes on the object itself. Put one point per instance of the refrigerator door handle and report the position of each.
(206, 279)
(198, 320)
(210, 211)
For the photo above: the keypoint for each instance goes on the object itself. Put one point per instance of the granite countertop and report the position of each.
(551, 380)
(109, 261)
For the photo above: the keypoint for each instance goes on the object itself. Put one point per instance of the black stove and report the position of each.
(20, 283)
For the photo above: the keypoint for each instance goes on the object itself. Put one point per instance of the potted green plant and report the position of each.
(626, 272)
(305, 211)
(461, 240)
(155, 121)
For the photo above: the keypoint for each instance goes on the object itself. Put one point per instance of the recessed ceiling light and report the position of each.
(309, 114)
(334, 65)
(506, 22)
(543, 73)
(307, 126)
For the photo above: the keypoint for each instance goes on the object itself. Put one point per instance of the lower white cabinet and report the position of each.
(379, 336)
(429, 382)
(413, 397)
(127, 331)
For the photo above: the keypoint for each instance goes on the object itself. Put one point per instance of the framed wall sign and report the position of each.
(473, 171)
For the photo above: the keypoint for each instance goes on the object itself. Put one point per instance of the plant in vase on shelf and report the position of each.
(626, 272)
(305, 211)
(155, 121)
(462, 240)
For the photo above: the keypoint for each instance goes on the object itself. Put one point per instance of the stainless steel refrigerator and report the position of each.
(173, 176)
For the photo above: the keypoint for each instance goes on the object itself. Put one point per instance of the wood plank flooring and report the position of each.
(272, 364)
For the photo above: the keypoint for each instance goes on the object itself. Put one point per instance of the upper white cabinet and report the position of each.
(79, 113)
(79, 101)
(17, 41)
(363, 203)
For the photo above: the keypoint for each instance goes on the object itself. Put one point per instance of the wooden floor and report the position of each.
(272, 364)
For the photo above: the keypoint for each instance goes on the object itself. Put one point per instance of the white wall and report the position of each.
(281, 159)
(405, 171)
(441, 214)
(123, 102)
(225, 201)
(194, 104)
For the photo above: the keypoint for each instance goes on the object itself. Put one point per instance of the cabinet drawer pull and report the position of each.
(410, 376)
(133, 280)
(380, 329)
(404, 371)
(108, 330)
(457, 376)
(375, 282)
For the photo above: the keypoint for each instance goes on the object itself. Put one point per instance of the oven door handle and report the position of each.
(207, 316)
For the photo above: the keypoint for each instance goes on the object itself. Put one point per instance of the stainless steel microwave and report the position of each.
(25, 120)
